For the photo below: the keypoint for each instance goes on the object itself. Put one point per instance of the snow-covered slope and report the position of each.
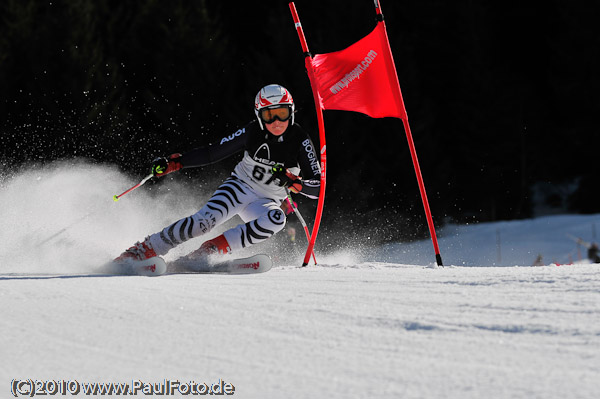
(509, 243)
(360, 325)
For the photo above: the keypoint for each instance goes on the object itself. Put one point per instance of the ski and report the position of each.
(254, 264)
(156, 266)
(151, 267)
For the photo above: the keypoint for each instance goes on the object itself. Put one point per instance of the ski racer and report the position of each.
(277, 152)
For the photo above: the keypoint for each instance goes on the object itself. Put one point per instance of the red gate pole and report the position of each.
(411, 145)
(321, 123)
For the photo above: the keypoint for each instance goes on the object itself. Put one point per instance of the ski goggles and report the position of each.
(268, 115)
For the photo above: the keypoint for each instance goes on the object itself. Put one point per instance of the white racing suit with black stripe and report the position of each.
(251, 192)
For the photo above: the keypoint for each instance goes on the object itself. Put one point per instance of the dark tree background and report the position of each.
(500, 96)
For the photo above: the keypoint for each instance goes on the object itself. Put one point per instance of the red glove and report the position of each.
(164, 166)
(295, 185)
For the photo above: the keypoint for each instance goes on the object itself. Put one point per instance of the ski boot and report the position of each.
(139, 251)
(216, 246)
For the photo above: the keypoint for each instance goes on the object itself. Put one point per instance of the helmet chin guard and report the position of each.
(273, 96)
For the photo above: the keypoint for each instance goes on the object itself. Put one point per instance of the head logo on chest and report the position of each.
(263, 155)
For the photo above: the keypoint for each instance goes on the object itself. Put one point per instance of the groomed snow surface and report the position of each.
(368, 324)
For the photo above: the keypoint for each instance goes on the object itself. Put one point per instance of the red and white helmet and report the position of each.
(273, 96)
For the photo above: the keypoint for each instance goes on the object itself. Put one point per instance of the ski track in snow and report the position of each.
(355, 326)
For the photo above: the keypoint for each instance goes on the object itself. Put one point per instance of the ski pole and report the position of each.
(116, 197)
(579, 241)
(301, 219)
(67, 228)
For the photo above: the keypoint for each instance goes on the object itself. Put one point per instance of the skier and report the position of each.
(277, 152)
(593, 255)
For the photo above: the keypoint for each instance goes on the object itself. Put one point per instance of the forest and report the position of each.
(502, 98)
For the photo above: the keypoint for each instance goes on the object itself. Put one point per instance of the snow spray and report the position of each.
(61, 218)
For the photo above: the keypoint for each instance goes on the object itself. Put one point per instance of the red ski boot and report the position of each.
(217, 245)
(139, 251)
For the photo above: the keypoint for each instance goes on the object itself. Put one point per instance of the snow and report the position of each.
(384, 324)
